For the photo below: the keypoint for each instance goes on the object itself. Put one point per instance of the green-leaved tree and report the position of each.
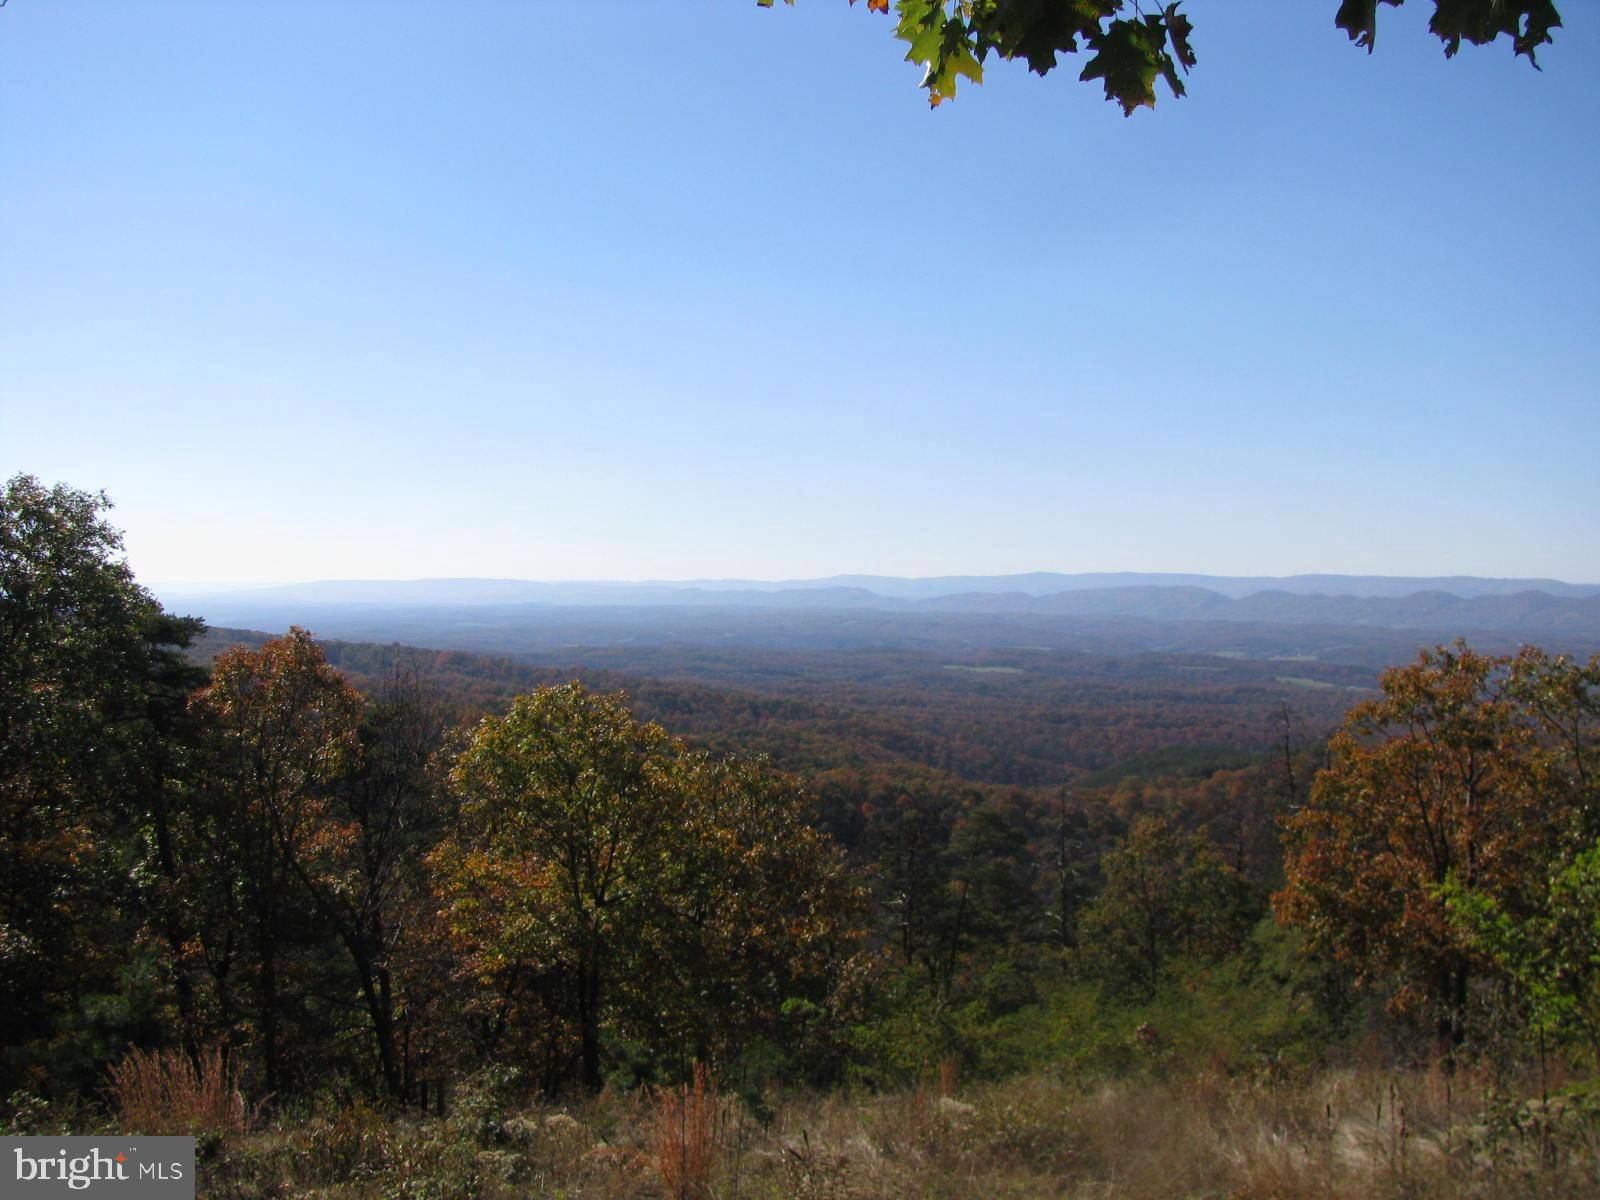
(642, 889)
(1167, 895)
(92, 683)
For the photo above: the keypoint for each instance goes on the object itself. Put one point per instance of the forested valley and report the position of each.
(374, 920)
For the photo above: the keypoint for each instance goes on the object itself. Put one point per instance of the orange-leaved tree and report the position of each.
(1469, 770)
(281, 730)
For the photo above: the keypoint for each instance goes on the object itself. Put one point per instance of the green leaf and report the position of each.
(1036, 31)
(942, 43)
(1129, 55)
(921, 27)
(1527, 22)
(1359, 19)
(1178, 31)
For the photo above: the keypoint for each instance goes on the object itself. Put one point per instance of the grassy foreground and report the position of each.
(1356, 1134)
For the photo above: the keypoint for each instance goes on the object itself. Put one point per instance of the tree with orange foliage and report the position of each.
(281, 730)
(1470, 771)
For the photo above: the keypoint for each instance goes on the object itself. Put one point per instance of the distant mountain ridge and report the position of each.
(832, 591)
(1044, 583)
(1448, 608)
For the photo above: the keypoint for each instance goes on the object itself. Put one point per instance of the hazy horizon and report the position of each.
(203, 584)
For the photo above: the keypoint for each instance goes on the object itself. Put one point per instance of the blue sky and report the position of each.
(389, 289)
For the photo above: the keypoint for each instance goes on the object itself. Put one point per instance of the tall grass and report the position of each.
(949, 1075)
(1361, 1133)
(156, 1092)
(685, 1130)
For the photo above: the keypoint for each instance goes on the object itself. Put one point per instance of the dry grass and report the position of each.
(156, 1092)
(1360, 1134)
(949, 1075)
(685, 1131)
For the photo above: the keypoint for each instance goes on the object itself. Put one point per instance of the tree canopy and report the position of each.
(1470, 774)
(92, 684)
(598, 858)
(1130, 49)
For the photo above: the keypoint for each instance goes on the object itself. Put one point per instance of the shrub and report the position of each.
(350, 1143)
(158, 1092)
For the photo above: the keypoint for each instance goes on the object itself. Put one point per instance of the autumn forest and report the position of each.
(249, 875)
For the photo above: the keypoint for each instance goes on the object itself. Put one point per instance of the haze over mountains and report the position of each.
(826, 592)
(1443, 607)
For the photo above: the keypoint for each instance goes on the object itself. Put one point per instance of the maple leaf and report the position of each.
(1128, 57)
(1480, 22)
(1036, 31)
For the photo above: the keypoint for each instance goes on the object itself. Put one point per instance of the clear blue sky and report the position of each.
(400, 288)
